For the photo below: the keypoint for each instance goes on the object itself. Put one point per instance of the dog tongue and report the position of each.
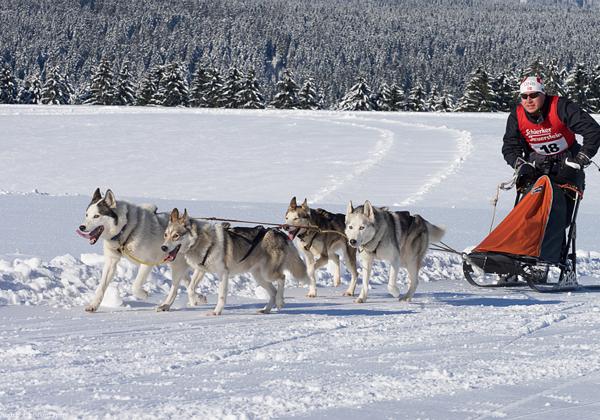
(172, 255)
(85, 235)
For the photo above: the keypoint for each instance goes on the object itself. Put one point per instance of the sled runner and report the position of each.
(534, 245)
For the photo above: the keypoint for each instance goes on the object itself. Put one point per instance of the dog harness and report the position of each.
(310, 242)
(262, 231)
(206, 255)
(123, 248)
(118, 235)
(193, 245)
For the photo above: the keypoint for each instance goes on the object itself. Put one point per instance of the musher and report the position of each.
(540, 137)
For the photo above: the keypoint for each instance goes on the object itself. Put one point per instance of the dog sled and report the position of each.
(534, 245)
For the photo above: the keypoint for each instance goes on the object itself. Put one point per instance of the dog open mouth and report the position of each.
(292, 231)
(173, 254)
(92, 236)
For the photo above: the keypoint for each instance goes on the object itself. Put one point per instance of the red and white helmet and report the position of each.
(532, 84)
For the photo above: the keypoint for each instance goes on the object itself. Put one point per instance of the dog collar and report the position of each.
(376, 246)
(118, 235)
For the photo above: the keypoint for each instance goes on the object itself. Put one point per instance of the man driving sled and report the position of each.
(540, 140)
(540, 137)
(540, 144)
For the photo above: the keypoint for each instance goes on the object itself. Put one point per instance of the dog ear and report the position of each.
(185, 219)
(97, 196)
(368, 211)
(109, 199)
(293, 203)
(305, 204)
(349, 208)
(174, 215)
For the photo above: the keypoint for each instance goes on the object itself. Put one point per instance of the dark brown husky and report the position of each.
(321, 244)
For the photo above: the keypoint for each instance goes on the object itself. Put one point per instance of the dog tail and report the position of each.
(295, 265)
(436, 233)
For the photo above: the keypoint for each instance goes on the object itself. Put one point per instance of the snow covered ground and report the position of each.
(455, 352)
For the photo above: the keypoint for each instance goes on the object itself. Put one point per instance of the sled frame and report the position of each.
(532, 272)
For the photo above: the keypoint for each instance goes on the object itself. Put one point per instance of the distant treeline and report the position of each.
(171, 85)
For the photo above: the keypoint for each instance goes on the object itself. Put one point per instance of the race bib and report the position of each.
(550, 147)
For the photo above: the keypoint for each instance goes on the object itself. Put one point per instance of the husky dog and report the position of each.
(398, 237)
(321, 247)
(225, 251)
(135, 232)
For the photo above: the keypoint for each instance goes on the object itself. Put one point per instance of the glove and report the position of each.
(580, 161)
(526, 175)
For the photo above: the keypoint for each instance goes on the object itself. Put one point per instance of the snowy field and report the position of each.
(454, 352)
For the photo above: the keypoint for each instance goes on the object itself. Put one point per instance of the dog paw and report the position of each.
(91, 308)
(311, 294)
(348, 293)
(163, 308)
(140, 294)
(394, 291)
(213, 313)
(197, 300)
(264, 311)
(360, 300)
(405, 298)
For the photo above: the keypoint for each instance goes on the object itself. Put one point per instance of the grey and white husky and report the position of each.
(225, 251)
(135, 232)
(321, 246)
(398, 237)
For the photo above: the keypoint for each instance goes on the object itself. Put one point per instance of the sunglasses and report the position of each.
(533, 95)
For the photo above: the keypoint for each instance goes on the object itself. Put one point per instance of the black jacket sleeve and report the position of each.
(513, 145)
(582, 123)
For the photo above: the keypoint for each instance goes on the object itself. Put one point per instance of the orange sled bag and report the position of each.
(534, 230)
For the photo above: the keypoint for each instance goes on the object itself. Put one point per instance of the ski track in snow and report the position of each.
(544, 321)
(374, 156)
(464, 148)
(377, 153)
(501, 409)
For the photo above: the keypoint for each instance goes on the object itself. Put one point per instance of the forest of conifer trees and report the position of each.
(443, 55)
(167, 85)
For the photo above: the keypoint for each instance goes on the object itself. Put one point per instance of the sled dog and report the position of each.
(135, 232)
(398, 237)
(226, 251)
(320, 247)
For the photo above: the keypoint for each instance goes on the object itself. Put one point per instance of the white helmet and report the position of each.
(532, 84)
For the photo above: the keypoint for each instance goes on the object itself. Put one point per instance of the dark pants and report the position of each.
(564, 199)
